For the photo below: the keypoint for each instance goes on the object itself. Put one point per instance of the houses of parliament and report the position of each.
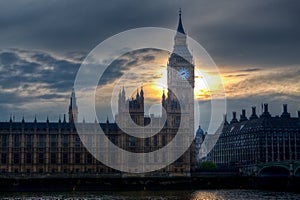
(55, 147)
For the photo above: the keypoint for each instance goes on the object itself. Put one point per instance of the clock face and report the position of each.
(183, 73)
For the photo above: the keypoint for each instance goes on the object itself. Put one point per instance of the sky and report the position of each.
(254, 43)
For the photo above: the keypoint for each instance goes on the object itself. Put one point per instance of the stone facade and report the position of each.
(55, 147)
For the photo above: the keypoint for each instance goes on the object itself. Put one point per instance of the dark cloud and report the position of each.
(37, 67)
(248, 36)
(148, 58)
(236, 75)
(33, 76)
(250, 32)
(128, 61)
(250, 70)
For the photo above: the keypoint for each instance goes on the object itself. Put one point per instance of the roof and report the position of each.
(180, 27)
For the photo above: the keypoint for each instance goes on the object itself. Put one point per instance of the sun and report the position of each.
(201, 90)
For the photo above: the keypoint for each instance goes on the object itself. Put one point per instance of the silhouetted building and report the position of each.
(246, 142)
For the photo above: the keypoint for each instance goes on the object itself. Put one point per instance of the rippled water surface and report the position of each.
(155, 195)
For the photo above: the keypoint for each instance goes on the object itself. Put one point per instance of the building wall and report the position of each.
(258, 140)
(57, 148)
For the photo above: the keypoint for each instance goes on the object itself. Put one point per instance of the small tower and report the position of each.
(73, 110)
(136, 108)
(164, 105)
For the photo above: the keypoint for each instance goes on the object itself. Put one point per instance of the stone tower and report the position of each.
(73, 110)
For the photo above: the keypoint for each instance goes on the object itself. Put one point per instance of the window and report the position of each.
(65, 158)
(53, 158)
(29, 141)
(65, 141)
(177, 122)
(163, 140)
(53, 141)
(41, 158)
(77, 142)
(41, 141)
(114, 140)
(155, 142)
(4, 141)
(3, 158)
(16, 141)
(28, 158)
(147, 143)
(77, 158)
(89, 158)
(16, 158)
(132, 141)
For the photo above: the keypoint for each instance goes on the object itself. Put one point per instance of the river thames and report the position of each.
(155, 195)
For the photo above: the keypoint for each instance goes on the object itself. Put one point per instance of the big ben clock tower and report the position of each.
(179, 105)
(180, 80)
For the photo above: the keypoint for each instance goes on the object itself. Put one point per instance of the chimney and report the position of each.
(266, 108)
(253, 116)
(285, 113)
(234, 120)
(253, 110)
(284, 108)
(243, 116)
(266, 111)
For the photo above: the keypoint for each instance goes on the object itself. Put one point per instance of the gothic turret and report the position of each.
(73, 110)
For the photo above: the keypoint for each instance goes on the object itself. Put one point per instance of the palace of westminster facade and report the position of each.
(55, 147)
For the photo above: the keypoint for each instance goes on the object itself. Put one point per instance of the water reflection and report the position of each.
(242, 194)
(155, 195)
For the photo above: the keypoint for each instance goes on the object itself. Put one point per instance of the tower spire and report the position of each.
(180, 27)
(73, 110)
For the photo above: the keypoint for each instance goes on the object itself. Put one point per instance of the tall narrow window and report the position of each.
(28, 158)
(155, 142)
(53, 158)
(16, 158)
(65, 158)
(77, 158)
(89, 158)
(147, 143)
(16, 141)
(29, 141)
(3, 158)
(65, 141)
(41, 141)
(53, 141)
(77, 142)
(4, 141)
(41, 158)
(163, 140)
